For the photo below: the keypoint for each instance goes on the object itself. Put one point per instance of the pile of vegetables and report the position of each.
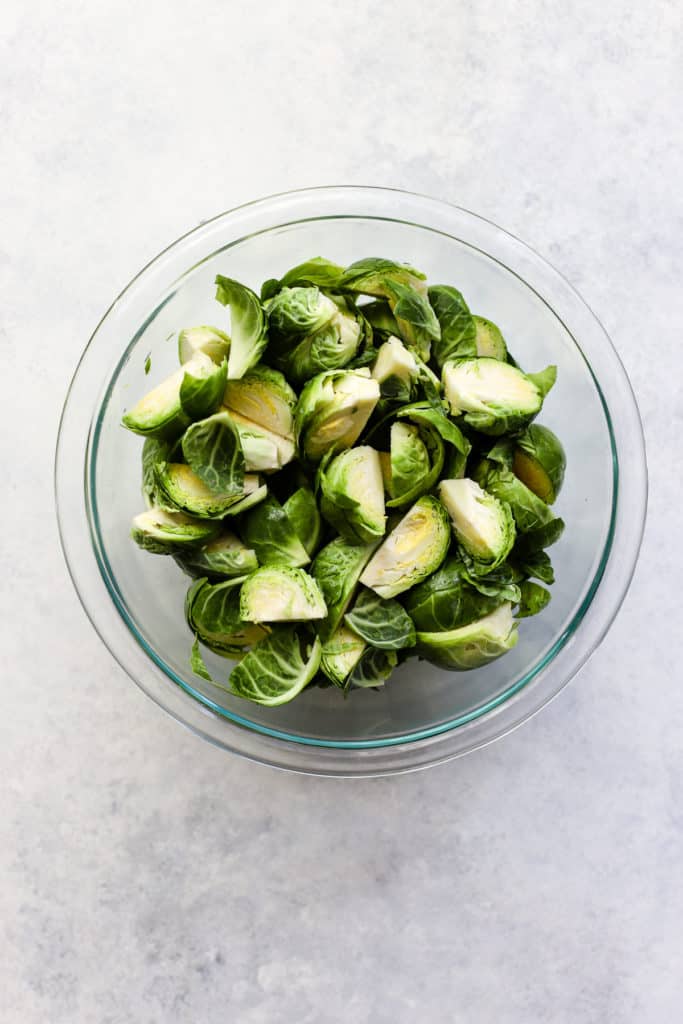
(352, 476)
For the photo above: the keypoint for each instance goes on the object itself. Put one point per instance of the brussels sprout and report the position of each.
(446, 600)
(530, 513)
(248, 325)
(395, 360)
(184, 490)
(370, 276)
(473, 645)
(311, 332)
(332, 410)
(483, 525)
(263, 450)
(533, 599)
(250, 499)
(224, 558)
(415, 464)
(213, 343)
(493, 396)
(164, 533)
(534, 563)
(192, 391)
(153, 451)
(501, 583)
(489, 342)
(457, 325)
(373, 669)
(341, 654)
(337, 568)
(213, 451)
(317, 271)
(212, 611)
(301, 509)
(264, 397)
(352, 494)
(277, 669)
(434, 416)
(268, 530)
(281, 594)
(414, 549)
(539, 462)
(383, 624)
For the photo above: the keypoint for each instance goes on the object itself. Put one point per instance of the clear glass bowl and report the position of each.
(425, 715)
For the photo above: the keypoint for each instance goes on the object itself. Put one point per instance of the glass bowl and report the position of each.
(424, 715)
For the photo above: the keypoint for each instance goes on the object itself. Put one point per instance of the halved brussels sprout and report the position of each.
(213, 343)
(489, 341)
(164, 533)
(446, 600)
(395, 360)
(302, 511)
(248, 325)
(483, 525)
(316, 271)
(531, 514)
(494, 397)
(332, 410)
(473, 645)
(352, 494)
(337, 568)
(311, 332)
(184, 490)
(281, 594)
(264, 397)
(414, 549)
(153, 452)
(192, 391)
(263, 450)
(277, 669)
(225, 557)
(213, 451)
(382, 624)
(457, 325)
(212, 611)
(539, 462)
(340, 655)
(370, 277)
(268, 530)
(414, 464)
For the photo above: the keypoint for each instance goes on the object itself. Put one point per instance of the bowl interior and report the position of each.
(420, 700)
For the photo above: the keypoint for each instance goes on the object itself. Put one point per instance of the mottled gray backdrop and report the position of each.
(146, 878)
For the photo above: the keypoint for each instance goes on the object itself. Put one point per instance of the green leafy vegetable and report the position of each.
(248, 325)
(269, 531)
(458, 331)
(337, 569)
(225, 557)
(213, 451)
(277, 669)
(473, 645)
(301, 510)
(533, 599)
(373, 668)
(383, 624)
(340, 655)
(447, 600)
(212, 611)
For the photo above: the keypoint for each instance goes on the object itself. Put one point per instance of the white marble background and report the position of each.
(146, 878)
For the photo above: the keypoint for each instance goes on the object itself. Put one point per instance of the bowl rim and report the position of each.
(412, 750)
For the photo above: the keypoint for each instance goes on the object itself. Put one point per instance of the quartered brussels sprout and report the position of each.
(184, 490)
(277, 669)
(539, 462)
(473, 645)
(332, 410)
(226, 557)
(489, 341)
(380, 360)
(352, 494)
(340, 655)
(492, 396)
(164, 533)
(302, 512)
(281, 594)
(414, 549)
(247, 325)
(191, 392)
(264, 397)
(483, 525)
(212, 611)
(447, 600)
(268, 530)
(213, 343)
(337, 569)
